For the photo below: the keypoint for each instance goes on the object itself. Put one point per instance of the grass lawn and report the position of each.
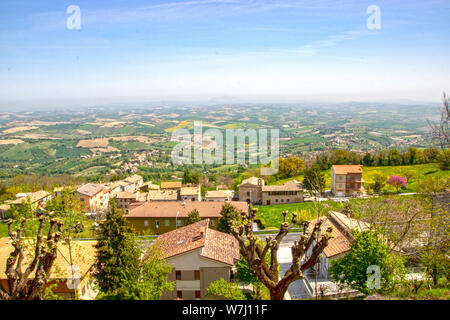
(3, 229)
(273, 217)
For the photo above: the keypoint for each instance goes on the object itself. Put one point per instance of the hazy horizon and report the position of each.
(198, 50)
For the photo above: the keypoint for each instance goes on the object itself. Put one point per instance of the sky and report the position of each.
(129, 51)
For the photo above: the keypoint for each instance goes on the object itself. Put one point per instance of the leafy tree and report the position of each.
(290, 167)
(444, 159)
(314, 179)
(433, 184)
(228, 215)
(190, 177)
(193, 217)
(431, 154)
(146, 279)
(367, 250)
(244, 274)
(379, 181)
(224, 289)
(397, 182)
(113, 250)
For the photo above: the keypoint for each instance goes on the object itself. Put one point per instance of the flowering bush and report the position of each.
(397, 182)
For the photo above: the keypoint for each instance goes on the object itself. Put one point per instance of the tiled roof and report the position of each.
(83, 257)
(169, 209)
(134, 178)
(252, 180)
(35, 196)
(188, 191)
(292, 185)
(342, 227)
(219, 194)
(171, 185)
(161, 195)
(346, 168)
(215, 245)
(90, 189)
(124, 195)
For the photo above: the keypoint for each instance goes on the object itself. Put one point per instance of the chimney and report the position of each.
(202, 231)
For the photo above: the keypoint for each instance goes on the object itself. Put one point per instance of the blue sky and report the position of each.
(199, 49)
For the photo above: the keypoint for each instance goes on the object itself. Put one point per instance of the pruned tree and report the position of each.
(268, 273)
(20, 287)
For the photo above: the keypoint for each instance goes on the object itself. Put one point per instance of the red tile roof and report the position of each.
(215, 245)
(170, 209)
(346, 168)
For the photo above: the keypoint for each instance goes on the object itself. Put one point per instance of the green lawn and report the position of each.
(273, 217)
(3, 229)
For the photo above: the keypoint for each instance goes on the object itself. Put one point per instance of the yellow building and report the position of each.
(93, 197)
(158, 217)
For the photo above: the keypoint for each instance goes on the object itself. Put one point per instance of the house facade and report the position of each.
(93, 197)
(290, 192)
(346, 180)
(250, 190)
(158, 217)
(199, 256)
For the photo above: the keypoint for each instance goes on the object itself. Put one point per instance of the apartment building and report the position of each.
(346, 180)
(199, 256)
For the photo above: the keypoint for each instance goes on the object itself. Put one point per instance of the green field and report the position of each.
(273, 217)
(418, 171)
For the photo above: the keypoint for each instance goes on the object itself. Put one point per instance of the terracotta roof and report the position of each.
(188, 191)
(171, 185)
(124, 195)
(90, 189)
(292, 185)
(219, 194)
(83, 256)
(35, 196)
(346, 168)
(161, 195)
(252, 180)
(169, 209)
(342, 227)
(214, 245)
(134, 178)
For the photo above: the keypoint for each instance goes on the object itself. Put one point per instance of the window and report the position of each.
(248, 193)
(146, 223)
(276, 200)
(167, 223)
(197, 294)
(178, 275)
(179, 223)
(197, 275)
(287, 200)
(212, 223)
(282, 200)
(179, 294)
(156, 224)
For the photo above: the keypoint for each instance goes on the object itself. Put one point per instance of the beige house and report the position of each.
(290, 192)
(346, 180)
(3, 209)
(199, 256)
(163, 195)
(37, 199)
(136, 180)
(219, 195)
(190, 193)
(124, 199)
(250, 190)
(93, 197)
